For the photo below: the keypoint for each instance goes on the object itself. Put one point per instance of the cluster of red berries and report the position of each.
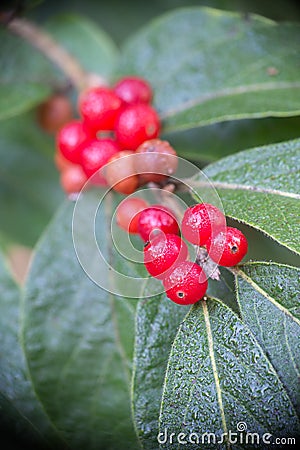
(165, 252)
(114, 123)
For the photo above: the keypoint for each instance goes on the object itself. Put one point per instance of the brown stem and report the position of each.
(55, 53)
(164, 196)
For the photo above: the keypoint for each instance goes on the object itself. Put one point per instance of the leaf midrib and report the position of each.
(242, 187)
(267, 358)
(255, 286)
(215, 370)
(227, 92)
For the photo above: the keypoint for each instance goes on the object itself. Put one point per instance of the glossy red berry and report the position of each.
(162, 253)
(136, 124)
(133, 90)
(156, 218)
(54, 113)
(99, 107)
(73, 179)
(201, 221)
(69, 139)
(158, 160)
(228, 248)
(95, 154)
(128, 213)
(186, 284)
(120, 173)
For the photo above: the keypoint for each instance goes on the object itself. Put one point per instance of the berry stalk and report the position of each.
(45, 43)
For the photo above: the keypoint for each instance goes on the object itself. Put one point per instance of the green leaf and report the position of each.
(90, 45)
(29, 182)
(16, 98)
(157, 322)
(22, 417)
(74, 335)
(212, 142)
(260, 187)
(27, 77)
(268, 296)
(218, 378)
(224, 66)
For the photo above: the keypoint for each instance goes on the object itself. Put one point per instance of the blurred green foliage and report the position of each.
(120, 17)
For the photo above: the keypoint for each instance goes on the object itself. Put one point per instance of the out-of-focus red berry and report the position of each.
(133, 89)
(128, 213)
(136, 124)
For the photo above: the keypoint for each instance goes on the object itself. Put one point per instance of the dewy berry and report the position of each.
(69, 139)
(128, 213)
(120, 173)
(158, 160)
(201, 221)
(136, 124)
(113, 121)
(186, 284)
(162, 252)
(228, 248)
(156, 218)
(95, 154)
(133, 90)
(99, 107)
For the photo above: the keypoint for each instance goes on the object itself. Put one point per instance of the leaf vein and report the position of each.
(214, 368)
(266, 295)
(226, 92)
(243, 187)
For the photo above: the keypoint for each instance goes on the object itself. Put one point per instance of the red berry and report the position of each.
(163, 252)
(128, 213)
(99, 107)
(69, 139)
(54, 113)
(136, 124)
(133, 90)
(200, 222)
(73, 179)
(158, 161)
(227, 248)
(120, 173)
(186, 284)
(96, 153)
(157, 217)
